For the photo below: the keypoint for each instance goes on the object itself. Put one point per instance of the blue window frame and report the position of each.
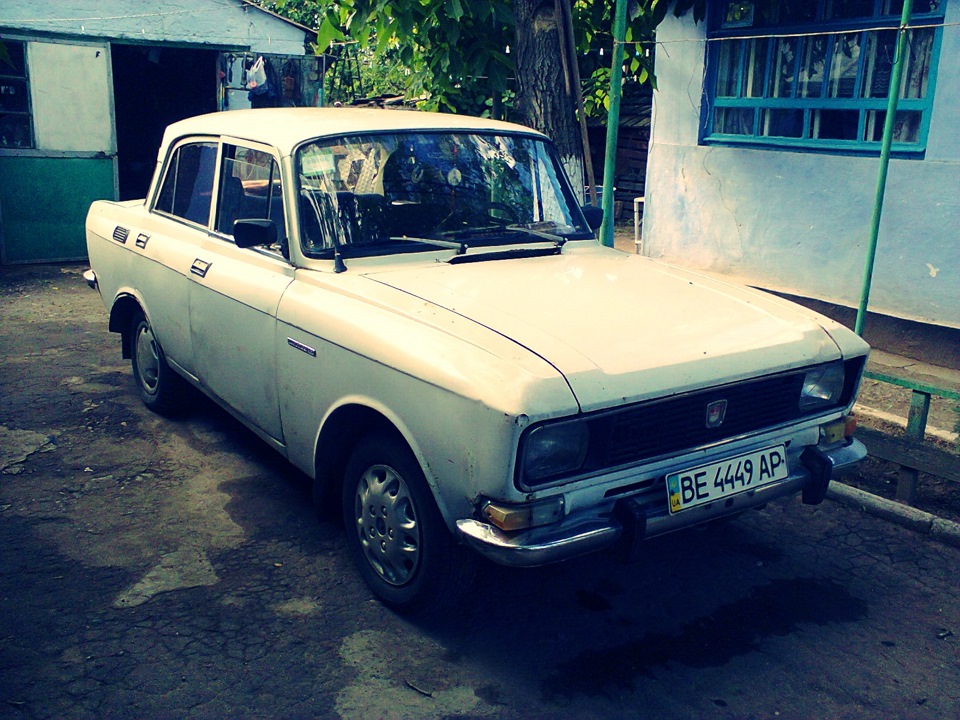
(814, 74)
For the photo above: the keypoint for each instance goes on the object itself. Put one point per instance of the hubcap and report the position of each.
(387, 524)
(148, 359)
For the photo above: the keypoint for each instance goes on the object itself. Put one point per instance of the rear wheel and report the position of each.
(396, 534)
(161, 389)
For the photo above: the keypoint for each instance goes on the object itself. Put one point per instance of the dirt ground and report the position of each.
(152, 568)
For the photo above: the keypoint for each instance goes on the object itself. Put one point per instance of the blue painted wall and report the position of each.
(800, 221)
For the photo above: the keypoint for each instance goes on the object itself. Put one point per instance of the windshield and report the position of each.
(380, 194)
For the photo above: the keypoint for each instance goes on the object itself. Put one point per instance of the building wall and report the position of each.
(800, 221)
(217, 22)
(45, 191)
(43, 211)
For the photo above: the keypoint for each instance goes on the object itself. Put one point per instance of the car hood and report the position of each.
(622, 328)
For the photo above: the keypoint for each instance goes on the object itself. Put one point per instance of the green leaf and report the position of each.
(326, 34)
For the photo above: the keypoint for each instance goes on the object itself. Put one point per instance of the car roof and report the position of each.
(285, 128)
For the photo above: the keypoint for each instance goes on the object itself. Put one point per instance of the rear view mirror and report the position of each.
(593, 215)
(254, 231)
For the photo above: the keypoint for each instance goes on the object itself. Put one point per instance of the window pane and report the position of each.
(738, 14)
(811, 66)
(881, 48)
(729, 68)
(13, 95)
(878, 63)
(834, 124)
(783, 73)
(249, 188)
(164, 201)
(838, 9)
(15, 131)
(733, 121)
(781, 123)
(906, 128)
(844, 64)
(188, 185)
(917, 70)
(920, 7)
(754, 68)
(778, 12)
(17, 66)
(195, 182)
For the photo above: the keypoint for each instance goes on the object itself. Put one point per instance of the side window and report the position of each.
(16, 129)
(250, 187)
(187, 187)
(815, 76)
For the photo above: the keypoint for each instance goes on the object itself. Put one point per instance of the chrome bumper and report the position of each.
(626, 522)
(91, 277)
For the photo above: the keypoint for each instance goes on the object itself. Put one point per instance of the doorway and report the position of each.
(154, 86)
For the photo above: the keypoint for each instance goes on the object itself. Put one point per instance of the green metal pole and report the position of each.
(893, 96)
(613, 122)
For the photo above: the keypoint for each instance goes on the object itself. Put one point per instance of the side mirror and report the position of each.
(593, 215)
(254, 231)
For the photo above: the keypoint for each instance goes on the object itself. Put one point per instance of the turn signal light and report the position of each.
(851, 426)
(509, 517)
(839, 430)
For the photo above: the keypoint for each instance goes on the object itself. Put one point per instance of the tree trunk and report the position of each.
(542, 101)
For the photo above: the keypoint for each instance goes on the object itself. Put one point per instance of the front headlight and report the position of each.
(822, 387)
(554, 449)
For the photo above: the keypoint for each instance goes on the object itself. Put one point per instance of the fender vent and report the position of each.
(120, 234)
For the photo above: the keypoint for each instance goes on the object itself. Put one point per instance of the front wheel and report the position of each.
(396, 534)
(161, 389)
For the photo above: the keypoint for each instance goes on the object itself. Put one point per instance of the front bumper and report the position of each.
(91, 277)
(626, 522)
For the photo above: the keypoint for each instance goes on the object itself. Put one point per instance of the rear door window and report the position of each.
(187, 187)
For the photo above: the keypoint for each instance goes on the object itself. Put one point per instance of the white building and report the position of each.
(89, 87)
(765, 145)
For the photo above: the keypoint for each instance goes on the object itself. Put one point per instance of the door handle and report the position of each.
(200, 267)
(142, 240)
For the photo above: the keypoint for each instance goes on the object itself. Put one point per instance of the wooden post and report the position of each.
(916, 429)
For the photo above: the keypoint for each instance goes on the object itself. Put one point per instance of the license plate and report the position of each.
(720, 480)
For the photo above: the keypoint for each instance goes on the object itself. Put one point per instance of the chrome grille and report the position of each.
(671, 426)
(657, 428)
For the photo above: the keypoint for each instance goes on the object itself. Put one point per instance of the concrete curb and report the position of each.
(946, 531)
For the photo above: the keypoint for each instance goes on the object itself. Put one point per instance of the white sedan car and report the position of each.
(413, 309)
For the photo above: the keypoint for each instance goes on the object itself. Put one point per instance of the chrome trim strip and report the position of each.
(301, 347)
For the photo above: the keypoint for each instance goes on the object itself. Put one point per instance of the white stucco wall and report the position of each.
(204, 22)
(799, 221)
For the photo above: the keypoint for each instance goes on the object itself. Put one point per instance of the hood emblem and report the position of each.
(716, 412)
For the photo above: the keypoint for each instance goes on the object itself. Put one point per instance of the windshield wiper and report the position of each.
(460, 247)
(558, 239)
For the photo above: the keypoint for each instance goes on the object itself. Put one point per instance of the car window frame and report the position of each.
(219, 141)
(274, 155)
(172, 150)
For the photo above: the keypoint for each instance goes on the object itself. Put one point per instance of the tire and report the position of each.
(399, 542)
(161, 389)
